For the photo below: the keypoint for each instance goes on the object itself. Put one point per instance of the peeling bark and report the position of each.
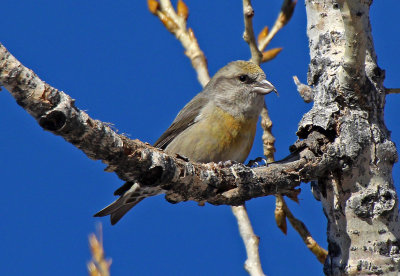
(358, 198)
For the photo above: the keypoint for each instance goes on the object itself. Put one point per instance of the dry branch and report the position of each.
(248, 35)
(175, 22)
(304, 90)
(99, 265)
(392, 90)
(301, 228)
(251, 241)
(284, 16)
(133, 160)
(281, 209)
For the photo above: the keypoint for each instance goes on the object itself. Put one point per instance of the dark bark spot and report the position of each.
(334, 249)
(364, 206)
(53, 121)
(149, 179)
(173, 198)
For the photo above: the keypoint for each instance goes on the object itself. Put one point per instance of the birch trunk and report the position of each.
(358, 198)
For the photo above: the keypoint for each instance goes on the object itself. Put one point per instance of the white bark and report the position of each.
(359, 199)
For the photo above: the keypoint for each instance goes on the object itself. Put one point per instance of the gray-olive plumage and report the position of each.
(218, 124)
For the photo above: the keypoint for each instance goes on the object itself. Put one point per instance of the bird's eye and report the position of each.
(243, 78)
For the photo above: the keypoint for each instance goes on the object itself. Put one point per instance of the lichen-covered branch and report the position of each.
(133, 160)
(358, 198)
(175, 22)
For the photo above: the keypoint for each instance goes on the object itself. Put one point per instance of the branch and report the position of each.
(284, 16)
(251, 241)
(392, 90)
(267, 137)
(301, 228)
(176, 24)
(248, 34)
(133, 160)
(304, 90)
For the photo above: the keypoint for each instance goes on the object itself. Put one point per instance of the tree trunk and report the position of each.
(358, 198)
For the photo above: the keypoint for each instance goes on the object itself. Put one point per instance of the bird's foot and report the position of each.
(257, 162)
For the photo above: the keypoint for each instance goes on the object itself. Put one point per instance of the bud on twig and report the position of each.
(280, 215)
(153, 6)
(287, 10)
(168, 22)
(271, 54)
(262, 34)
(182, 9)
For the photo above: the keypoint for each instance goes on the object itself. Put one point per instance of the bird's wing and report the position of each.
(185, 118)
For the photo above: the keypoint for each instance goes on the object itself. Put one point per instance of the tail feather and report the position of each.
(132, 194)
(118, 214)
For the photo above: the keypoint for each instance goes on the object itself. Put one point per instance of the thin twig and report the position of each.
(280, 215)
(98, 266)
(176, 24)
(251, 241)
(301, 228)
(392, 90)
(248, 34)
(264, 38)
(304, 90)
(281, 209)
(284, 16)
(267, 137)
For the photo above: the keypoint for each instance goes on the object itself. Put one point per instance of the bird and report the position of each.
(217, 125)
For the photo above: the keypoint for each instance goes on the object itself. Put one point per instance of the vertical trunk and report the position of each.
(359, 198)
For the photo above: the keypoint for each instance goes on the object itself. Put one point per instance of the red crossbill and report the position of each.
(218, 124)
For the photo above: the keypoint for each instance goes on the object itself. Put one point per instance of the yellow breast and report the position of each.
(217, 137)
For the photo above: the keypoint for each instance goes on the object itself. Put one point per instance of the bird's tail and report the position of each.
(131, 193)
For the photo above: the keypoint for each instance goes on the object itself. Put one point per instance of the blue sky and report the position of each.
(122, 66)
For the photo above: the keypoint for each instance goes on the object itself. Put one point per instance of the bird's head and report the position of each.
(239, 88)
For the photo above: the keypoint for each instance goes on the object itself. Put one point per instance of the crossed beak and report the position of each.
(264, 87)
